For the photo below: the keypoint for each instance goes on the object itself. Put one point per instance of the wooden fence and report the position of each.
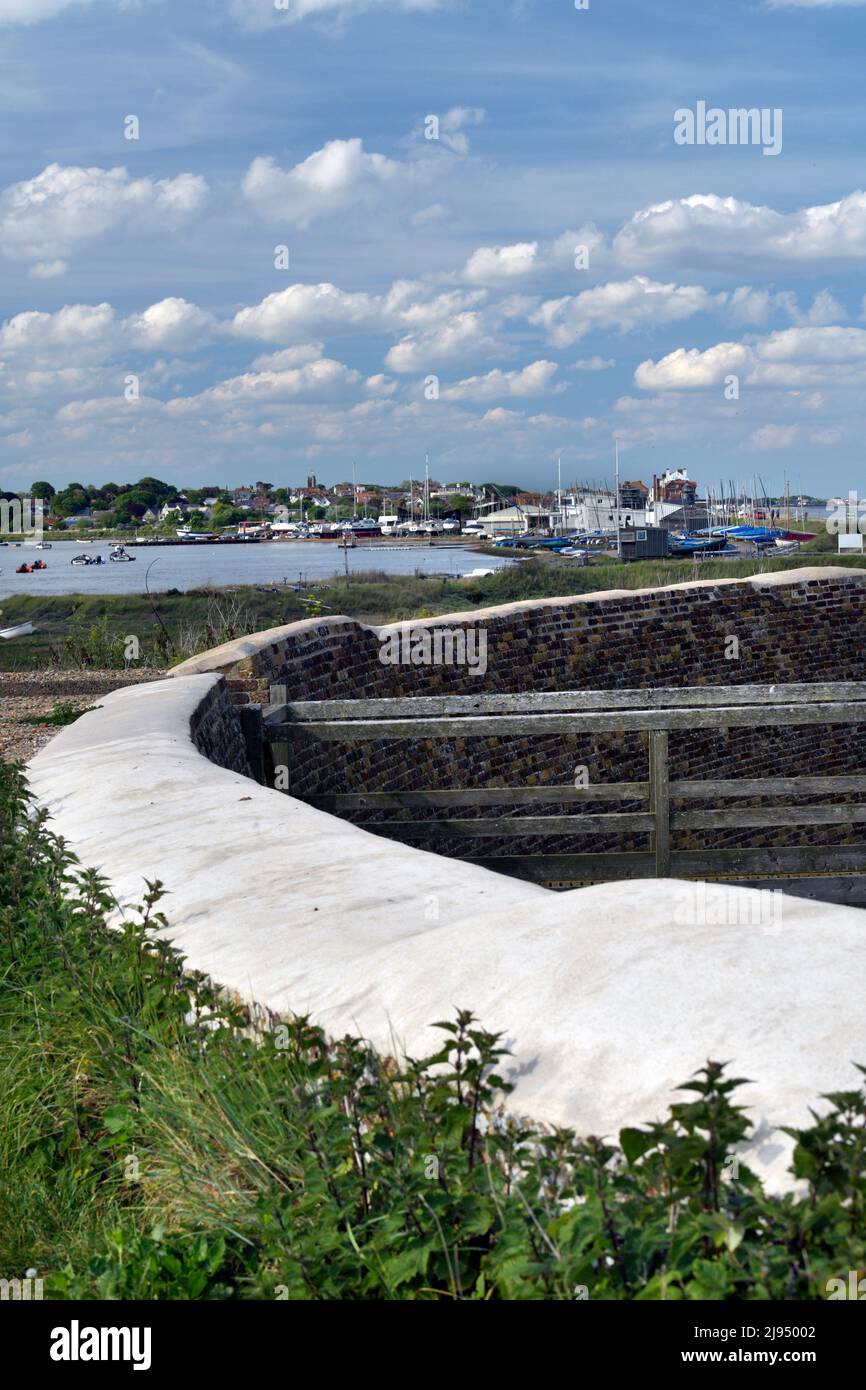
(653, 712)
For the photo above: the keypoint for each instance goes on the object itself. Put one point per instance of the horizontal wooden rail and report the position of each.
(563, 701)
(499, 827)
(734, 864)
(599, 791)
(479, 796)
(769, 786)
(754, 817)
(540, 725)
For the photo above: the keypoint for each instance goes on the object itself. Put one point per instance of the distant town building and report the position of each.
(633, 495)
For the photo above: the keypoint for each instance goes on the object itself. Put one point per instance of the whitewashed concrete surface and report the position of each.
(607, 996)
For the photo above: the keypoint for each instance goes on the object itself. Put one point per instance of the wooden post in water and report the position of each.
(660, 800)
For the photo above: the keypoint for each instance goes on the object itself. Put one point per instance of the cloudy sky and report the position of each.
(372, 230)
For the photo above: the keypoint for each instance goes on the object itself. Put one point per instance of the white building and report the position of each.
(597, 511)
(514, 520)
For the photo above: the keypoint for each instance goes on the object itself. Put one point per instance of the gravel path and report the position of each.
(33, 694)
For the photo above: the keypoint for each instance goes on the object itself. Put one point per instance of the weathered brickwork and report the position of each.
(788, 632)
(216, 731)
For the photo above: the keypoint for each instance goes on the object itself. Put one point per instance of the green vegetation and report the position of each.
(63, 713)
(154, 1144)
(91, 630)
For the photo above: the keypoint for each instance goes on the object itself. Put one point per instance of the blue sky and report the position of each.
(431, 304)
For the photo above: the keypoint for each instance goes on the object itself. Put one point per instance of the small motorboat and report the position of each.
(21, 630)
(81, 560)
(43, 545)
(118, 553)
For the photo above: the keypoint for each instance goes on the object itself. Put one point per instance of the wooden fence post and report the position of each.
(660, 801)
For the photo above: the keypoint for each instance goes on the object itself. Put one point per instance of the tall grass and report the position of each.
(160, 1141)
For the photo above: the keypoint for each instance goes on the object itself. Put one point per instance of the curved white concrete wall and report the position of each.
(606, 997)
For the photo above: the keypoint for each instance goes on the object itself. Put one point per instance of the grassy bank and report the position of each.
(150, 1147)
(75, 630)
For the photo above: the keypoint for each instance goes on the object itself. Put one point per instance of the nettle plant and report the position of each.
(157, 1141)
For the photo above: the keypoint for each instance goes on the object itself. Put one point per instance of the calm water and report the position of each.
(192, 566)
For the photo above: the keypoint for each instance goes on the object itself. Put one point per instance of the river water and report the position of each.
(196, 566)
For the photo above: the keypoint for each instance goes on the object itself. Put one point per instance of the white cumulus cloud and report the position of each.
(461, 337)
(46, 217)
(494, 264)
(298, 310)
(533, 380)
(706, 230)
(76, 329)
(619, 304)
(173, 325)
(320, 379)
(791, 357)
(341, 173)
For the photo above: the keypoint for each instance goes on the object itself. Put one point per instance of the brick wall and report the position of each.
(805, 630)
(216, 730)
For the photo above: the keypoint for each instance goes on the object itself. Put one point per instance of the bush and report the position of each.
(160, 1141)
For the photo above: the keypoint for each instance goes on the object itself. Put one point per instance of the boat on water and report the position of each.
(43, 545)
(186, 533)
(86, 560)
(119, 554)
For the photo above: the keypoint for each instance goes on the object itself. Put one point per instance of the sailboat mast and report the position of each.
(616, 499)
